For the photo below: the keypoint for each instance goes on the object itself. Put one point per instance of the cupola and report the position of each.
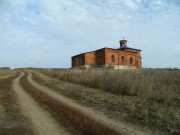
(123, 43)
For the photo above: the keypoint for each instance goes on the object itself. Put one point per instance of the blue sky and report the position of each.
(44, 33)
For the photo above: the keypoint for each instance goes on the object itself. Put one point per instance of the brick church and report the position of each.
(121, 58)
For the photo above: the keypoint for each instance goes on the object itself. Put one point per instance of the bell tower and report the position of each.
(123, 43)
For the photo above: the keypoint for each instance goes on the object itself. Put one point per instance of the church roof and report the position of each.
(121, 48)
(83, 53)
(125, 47)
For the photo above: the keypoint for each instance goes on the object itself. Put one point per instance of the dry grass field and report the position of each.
(4, 73)
(149, 97)
(89, 102)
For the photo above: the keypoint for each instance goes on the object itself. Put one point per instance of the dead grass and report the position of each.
(12, 122)
(80, 122)
(148, 97)
(129, 82)
(4, 73)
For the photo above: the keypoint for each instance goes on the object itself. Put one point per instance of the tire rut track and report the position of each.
(81, 122)
(42, 121)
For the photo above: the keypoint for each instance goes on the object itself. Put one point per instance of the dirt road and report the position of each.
(122, 128)
(42, 122)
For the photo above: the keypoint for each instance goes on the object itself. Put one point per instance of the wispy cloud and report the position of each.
(47, 33)
(33, 6)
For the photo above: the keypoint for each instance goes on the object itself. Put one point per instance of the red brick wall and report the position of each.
(135, 55)
(78, 60)
(100, 57)
(90, 58)
(104, 57)
(108, 56)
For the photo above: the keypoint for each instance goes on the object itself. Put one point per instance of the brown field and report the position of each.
(89, 102)
(4, 73)
(148, 97)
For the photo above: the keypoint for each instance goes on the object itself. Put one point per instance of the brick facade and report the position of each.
(121, 58)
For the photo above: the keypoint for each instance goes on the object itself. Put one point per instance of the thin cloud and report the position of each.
(47, 33)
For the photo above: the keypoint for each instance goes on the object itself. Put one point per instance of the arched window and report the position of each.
(112, 58)
(122, 59)
(131, 60)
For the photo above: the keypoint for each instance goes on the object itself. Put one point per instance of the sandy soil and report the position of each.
(122, 127)
(42, 122)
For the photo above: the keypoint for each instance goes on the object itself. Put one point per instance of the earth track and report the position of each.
(42, 121)
(82, 122)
